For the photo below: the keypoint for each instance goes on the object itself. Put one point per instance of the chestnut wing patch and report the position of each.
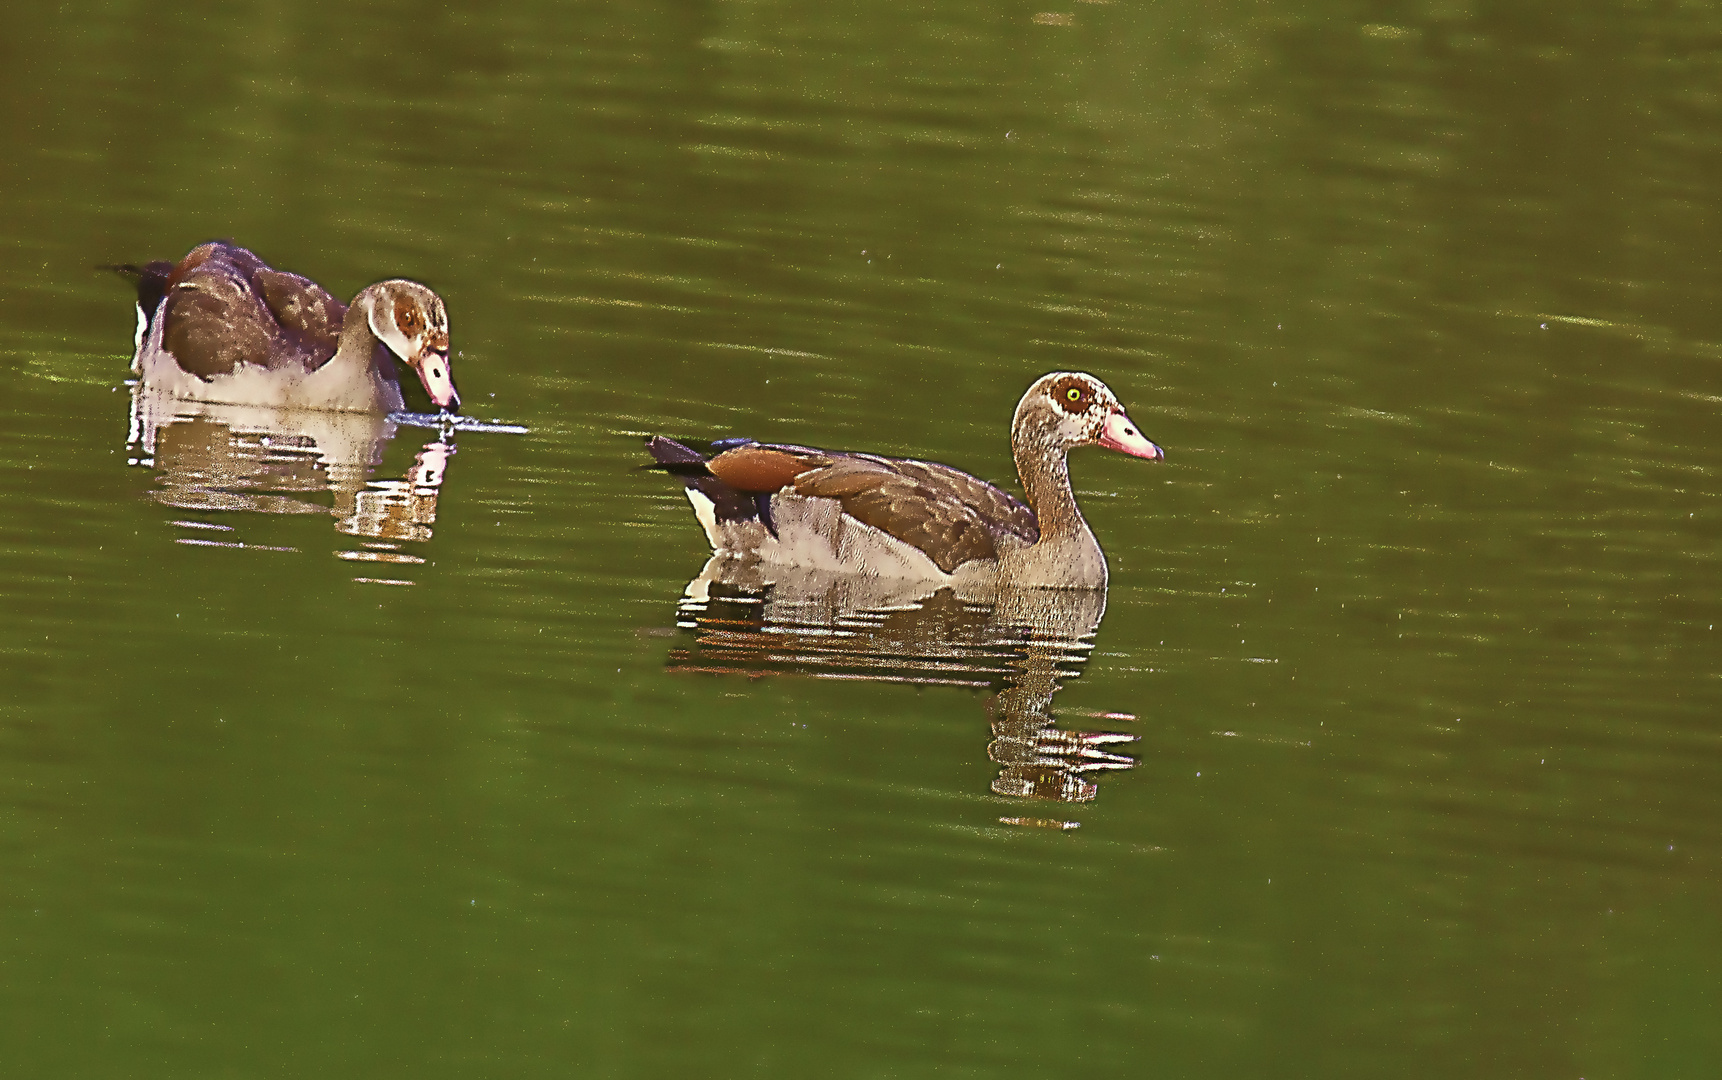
(759, 469)
(949, 515)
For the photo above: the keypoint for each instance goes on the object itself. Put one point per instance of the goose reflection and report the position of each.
(1023, 644)
(258, 459)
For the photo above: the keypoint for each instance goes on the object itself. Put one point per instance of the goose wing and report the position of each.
(223, 307)
(307, 315)
(947, 514)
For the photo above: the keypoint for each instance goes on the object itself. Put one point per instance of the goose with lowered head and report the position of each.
(223, 326)
(896, 517)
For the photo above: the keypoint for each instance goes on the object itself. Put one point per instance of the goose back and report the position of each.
(222, 306)
(948, 516)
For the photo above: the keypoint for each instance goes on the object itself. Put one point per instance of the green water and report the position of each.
(1417, 622)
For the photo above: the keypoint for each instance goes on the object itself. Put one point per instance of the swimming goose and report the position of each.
(893, 517)
(222, 326)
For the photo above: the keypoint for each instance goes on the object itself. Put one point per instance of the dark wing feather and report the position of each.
(151, 280)
(951, 516)
(667, 451)
(687, 464)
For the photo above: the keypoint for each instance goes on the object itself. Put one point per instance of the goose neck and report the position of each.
(1044, 469)
(358, 344)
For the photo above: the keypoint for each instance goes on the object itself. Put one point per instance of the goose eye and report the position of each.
(1073, 394)
(408, 318)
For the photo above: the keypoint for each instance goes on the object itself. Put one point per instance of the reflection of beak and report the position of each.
(431, 465)
(438, 379)
(1121, 435)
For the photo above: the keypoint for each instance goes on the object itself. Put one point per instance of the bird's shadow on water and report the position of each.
(218, 462)
(1021, 644)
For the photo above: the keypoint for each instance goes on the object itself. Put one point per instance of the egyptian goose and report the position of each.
(893, 517)
(222, 326)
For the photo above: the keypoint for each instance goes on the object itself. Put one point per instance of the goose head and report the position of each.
(410, 319)
(1067, 409)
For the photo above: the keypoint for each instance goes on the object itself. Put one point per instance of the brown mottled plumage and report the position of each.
(948, 514)
(225, 308)
(900, 517)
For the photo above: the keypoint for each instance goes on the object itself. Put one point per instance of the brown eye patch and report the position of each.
(1073, 395)
(408, 316)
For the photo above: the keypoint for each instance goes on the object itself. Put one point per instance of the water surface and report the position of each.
(379, 753)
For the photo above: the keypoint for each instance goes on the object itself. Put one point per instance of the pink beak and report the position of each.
(435, 373)
(1121, 435)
